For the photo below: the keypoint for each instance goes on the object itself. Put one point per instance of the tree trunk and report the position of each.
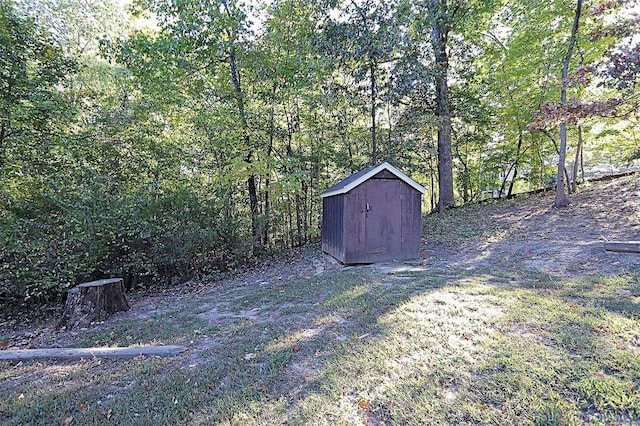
(557, 148)
(305, 211)
(389, 133)
(290, 235)
(465, 176)
(251, 181)
(93, 301)
(515, 174)
(374, 147)
(267, 214)
(513, 167)
(298, 221)
(373, 66)
(561, 199)
(253, 206)
(582, 165)
(267, 183)
(5, 129)
(3, 132)
(432, 172)
(439, 35)
(576, 162)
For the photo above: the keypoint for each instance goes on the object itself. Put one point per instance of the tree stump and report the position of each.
(93, 301)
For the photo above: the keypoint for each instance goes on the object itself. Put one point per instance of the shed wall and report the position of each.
(354, 235)
(411, 223)
(333, 224)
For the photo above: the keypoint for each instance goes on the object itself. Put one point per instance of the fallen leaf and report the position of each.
(82, 408)
(4, 344)
(67, 421)
(365, 405)
(296, 347)
(107, 413)
(483, 406)
(599, 375)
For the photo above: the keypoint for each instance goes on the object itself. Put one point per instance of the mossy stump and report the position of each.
(93, 301)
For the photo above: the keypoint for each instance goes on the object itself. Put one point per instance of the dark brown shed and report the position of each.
(373, 216)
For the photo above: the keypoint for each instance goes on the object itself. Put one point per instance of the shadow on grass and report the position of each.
(250, 368)
(359, 345)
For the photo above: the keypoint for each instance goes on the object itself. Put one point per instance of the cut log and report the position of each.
(93, 301)
(85, 353)
(623, 246)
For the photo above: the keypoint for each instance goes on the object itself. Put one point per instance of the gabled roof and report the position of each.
(356, 179)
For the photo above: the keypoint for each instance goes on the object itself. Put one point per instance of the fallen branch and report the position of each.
(80, 353)
(623, 246)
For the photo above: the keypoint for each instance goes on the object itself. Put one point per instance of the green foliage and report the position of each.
(60, 238)
(32, 98)
(103, 193)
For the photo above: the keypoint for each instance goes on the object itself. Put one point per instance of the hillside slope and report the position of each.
(531, 233)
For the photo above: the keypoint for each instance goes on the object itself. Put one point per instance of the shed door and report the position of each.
(383, 219)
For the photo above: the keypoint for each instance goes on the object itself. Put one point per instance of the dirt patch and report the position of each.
(26, 326)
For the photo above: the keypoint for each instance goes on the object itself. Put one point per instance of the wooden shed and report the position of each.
(373, 216)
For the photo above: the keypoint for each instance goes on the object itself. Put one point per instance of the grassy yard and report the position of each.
(361, 345)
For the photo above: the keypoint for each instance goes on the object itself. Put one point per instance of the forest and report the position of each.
(168, 140)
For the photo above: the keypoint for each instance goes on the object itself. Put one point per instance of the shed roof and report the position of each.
(356, 179)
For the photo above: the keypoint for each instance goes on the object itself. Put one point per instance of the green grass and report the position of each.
(360, 346)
